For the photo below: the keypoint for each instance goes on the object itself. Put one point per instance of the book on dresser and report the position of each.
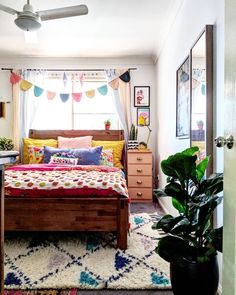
(140, 180)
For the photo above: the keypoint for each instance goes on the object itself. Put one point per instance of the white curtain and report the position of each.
(29, 103)
(121, 96)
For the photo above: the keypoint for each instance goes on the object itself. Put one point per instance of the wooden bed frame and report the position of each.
(70, 214)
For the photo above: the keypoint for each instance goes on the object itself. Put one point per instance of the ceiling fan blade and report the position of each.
(8, 9)
(63, 12)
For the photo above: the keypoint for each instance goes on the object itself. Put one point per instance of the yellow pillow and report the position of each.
(116, 146)
(35, 142)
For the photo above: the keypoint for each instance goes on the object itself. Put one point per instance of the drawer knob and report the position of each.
(139, 158)
(139, 194)
(139, 182)
(139, 170)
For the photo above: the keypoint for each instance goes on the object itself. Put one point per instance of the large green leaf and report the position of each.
(175, 190)
(178, 206)
(215, 238)
(212, 185)
(174, 249)
(167, 223)
(180, 227)
(179, 166)
(190, 151)
(201, 168)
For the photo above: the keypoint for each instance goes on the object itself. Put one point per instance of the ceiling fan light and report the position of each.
(28, 23)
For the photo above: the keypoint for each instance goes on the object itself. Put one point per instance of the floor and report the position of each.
(135, 208)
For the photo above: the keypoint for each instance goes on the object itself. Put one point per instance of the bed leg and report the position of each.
(122, 224)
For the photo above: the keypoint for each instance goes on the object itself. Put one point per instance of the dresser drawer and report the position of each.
(140, 169)
(139, 181)
(140, 193)
(139, 158)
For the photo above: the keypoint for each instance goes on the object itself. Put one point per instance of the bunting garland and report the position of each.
(38, 91)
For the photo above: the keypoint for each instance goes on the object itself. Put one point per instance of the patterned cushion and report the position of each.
(89, 156)
(35, 154)
(63, 160)
(116, 146)
(38, 143)
(50, 151)
(107, 158)
(75, 142)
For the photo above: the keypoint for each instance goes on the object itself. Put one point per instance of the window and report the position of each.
(88, 113)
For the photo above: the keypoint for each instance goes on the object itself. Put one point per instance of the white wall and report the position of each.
(189, 23)
(6, 96)
(143, 76)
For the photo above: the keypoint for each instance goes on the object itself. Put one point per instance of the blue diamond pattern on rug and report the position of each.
(86, 260)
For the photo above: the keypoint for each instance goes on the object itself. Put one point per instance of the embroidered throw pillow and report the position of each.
(107, 158)
(75, 142)
(50, 151)
(89, 156)
(63, 160)
(116, 146)
(35, 154)
(38, 143)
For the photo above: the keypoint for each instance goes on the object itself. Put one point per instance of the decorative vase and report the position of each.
(194, 277)
(107, 126)
(132, 144)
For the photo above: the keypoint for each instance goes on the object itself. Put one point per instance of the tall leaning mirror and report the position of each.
(201, 94)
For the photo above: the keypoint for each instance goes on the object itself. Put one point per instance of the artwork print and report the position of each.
(141, 96)
(183, 100)
(143, 116)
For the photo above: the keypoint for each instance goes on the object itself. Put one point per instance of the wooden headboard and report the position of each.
(97, 135)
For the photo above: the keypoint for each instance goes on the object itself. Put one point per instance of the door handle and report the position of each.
(221, 141)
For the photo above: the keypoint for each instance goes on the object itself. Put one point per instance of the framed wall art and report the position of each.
(143, 116)
(183, 100)
(141, 96)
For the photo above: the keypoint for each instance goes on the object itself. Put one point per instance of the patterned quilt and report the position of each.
(46, 180)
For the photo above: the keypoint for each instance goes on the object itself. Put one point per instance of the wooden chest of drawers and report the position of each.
(140, 175)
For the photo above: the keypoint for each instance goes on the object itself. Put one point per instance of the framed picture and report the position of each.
(183, 100)
(141, 96)
(143, 116)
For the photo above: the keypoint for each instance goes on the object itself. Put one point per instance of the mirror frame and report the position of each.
(208, 30)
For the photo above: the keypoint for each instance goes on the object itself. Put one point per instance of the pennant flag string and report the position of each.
(38, 91)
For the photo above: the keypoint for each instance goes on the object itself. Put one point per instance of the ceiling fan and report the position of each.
(28, 20)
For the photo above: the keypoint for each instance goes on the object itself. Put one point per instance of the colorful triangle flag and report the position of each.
(38, 91)
(90, 93)
(125, 77)
(64, 96)
(51, 95)
(77, 96)
(114, 84)
(25, 85)
(14, 78)
(103, 90)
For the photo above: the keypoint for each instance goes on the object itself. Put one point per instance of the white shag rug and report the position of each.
(86, 260)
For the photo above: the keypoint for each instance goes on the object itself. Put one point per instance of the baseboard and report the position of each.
(163, 207)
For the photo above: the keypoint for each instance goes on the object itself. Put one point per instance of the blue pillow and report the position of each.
(50, 151)
(90, 156)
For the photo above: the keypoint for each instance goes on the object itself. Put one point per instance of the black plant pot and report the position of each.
(195, 278)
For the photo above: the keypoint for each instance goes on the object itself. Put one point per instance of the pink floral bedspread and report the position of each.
(46, 180)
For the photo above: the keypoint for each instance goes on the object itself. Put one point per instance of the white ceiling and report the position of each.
(112, 28)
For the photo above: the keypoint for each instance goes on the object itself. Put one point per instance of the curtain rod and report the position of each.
(67, 70)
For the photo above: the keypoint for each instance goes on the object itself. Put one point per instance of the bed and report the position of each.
(80, 212)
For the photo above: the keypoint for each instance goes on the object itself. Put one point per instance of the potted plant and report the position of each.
(133, 135)
(107, 124)
(190, 243)
(6, 144)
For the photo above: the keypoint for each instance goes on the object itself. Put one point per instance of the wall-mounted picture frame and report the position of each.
(183, 100)
(141, 96)
(143, 116)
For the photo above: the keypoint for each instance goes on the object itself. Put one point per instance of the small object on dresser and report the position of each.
(133, 134)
